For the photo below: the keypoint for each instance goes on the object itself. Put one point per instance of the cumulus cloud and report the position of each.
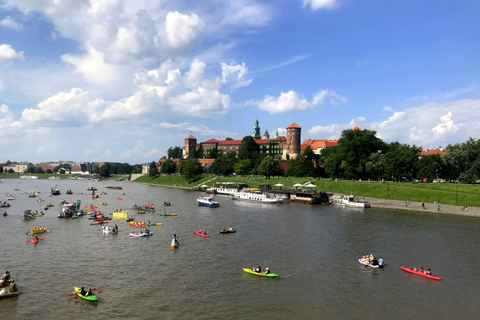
(234, 74)
(201, 103)
(321, 4)
(9, 23)
(8, 53)
(182, 32)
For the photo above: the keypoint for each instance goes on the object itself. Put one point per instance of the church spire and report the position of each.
(256, 130)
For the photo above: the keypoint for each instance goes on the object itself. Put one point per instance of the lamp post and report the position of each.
(456, 192)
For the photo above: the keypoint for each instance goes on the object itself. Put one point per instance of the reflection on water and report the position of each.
(315, 249)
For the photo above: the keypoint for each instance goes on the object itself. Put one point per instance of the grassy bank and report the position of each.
(39, 175)
(418, 192)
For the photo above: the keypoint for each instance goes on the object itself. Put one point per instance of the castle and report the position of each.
(278, 146)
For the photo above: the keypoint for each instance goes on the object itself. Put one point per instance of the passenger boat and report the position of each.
(91, 188)
(55, 191)
(120, 214)
(207, 202)
(211, 190)
(89, 298)
(420, 273)
(69, 192)
(268, 275)
(351, 201)
(230, 188)
(256, 195)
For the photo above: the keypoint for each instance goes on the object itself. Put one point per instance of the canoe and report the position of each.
(133, 224)
(168, 214)
(174, 243)
(201, 234)
(419, 273)
(228, 231)
(89, 298)
(34, 231)
(141, 234)
(368, 264)
(155, 224)
(98, 222)
(270, 275)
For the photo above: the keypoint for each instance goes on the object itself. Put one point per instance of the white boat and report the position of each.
(28, 177)
(351, 201)
(367, 264)
(53, 178)
(207, 202)
(256, 195)
(10, 196)
(230, 188)
(140, 234)
(55, 191)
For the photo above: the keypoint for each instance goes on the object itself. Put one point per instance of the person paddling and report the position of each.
(267, 270)
(89, 293)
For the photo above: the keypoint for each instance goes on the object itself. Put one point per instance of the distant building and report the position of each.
(429, 152)
(256, 130)
(292, 146)
(318, 145)
(19, 167)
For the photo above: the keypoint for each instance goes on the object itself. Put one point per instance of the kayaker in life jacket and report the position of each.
(267, 270)
(429, 272)
(35, 238)
(258, 270)
(89, 293)
(82, 291)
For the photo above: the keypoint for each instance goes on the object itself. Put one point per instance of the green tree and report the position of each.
(175, 152)
(349, 158)
(39, 170)
(105, 170)
(153, 169)
(168, 166)
(462, 158)
(48, 171)
(137, 168)
(401, 160)
(190, 169)
(10, 171)
(30, 170)
(228, 138)
(430, 167)
(62, 171)
(248, 148)
(243, 167)
(201, 152)
(270, 167)
(375, 166)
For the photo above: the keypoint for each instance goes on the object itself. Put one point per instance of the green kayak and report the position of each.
(89, 298)
(269, 275)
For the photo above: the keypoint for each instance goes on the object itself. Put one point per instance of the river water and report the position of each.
(314, 249)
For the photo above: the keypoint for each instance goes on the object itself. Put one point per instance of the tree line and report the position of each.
(358, 155)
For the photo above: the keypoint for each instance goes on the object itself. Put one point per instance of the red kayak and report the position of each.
(34, 240)
(133, 224)
(420, 273)
(201, 234)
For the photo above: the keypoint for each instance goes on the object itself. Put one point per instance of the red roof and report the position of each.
(357, 128)
(432, 152)
(294, 126)
(229, 142)
(266, 141)
(318, 144)
(191, 137)
(211, 141)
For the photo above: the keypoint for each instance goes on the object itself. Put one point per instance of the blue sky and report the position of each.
(125, 80)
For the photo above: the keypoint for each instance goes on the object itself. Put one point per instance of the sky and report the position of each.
(122, 81)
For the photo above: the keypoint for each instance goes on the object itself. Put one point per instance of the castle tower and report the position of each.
(276, 134)
(292, 148)
(256, 130)
(266, 135)
(190, 145)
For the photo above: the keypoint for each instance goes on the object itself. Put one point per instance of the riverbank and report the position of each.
(429, 207)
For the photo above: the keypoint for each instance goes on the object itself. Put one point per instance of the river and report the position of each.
(314, 249)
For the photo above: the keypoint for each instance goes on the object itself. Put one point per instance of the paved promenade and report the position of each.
(429, 207)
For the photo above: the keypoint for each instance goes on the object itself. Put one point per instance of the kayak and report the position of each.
(34, 240)
(228, 231)
(34, 231)
(168, 214)
(269, 275)
(140, 225)
(368, 264)
(155, 224)
(419, 273)
(140, 234)
(201, 234)
(89, 298)
(174, 243)
(98, 222)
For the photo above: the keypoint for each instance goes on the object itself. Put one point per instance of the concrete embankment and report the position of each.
(429, 207)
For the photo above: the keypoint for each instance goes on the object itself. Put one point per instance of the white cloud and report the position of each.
(201, 103)
(321, 130)
(93, 67)
(9, 23)
(183, 31)
(335, 98)
(446, 125)
(234, 74)
(321, 4)
(8, 53)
